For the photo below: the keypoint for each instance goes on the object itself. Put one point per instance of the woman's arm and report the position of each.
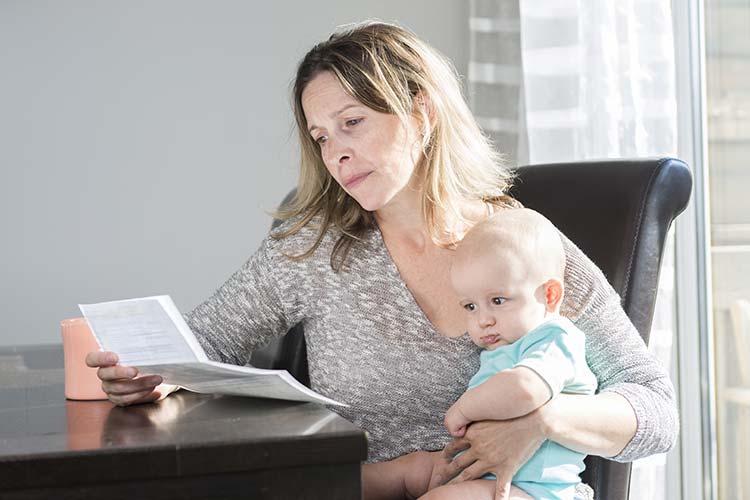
(249, 309)
(595, 425)
(635, 413)
(625, 370)
(601, 424)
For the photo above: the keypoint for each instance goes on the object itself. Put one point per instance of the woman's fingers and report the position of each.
(131, 386)
(455, 446)
(500, 447)
(502, 489)
(459, 464)
(117, 372)
(147, 396)
(473, 471)
(122, 384)
(98, 359)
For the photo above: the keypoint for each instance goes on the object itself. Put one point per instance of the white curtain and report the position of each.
(564, 80)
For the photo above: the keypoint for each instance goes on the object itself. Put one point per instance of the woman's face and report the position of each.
(370, 154)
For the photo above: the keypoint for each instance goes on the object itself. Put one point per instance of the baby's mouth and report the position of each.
(489, 340)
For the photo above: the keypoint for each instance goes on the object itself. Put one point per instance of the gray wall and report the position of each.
(142, 141)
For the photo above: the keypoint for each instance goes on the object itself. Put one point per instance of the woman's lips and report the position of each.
(356, 180)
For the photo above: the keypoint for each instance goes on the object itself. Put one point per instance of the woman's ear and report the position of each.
(553, 294)
(426, 113)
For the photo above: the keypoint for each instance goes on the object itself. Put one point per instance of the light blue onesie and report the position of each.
(555, 350)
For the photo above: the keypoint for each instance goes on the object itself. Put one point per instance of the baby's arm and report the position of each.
(507, 394)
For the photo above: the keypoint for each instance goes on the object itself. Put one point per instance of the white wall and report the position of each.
(141, 141)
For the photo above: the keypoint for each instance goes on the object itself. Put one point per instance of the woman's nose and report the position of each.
(338, 152)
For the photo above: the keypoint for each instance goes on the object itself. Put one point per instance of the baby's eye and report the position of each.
(498, 301)
(353, 122)
(470, 307)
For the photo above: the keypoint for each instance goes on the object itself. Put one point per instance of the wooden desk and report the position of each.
(187, 446)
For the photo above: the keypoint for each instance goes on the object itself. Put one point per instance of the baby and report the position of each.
(508, 273)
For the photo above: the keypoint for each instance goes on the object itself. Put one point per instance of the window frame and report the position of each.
(692, 465)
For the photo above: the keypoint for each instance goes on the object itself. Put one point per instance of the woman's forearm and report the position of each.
(601, 425)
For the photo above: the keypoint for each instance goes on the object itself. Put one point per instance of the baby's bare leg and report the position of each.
(477, 489)
(404, 477)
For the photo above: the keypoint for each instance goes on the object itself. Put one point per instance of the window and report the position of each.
(727, 46)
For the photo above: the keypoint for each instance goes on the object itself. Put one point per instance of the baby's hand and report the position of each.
(455, 421)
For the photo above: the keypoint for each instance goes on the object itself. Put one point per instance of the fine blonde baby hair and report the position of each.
(527, 234)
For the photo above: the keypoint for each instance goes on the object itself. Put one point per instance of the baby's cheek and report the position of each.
(531, 318)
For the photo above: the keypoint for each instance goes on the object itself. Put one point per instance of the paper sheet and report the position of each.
(150, 334)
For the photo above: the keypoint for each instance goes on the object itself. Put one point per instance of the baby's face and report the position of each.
(501, 300)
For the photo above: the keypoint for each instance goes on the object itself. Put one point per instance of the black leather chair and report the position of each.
(618, 212)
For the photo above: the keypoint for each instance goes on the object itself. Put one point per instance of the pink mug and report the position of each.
(81, 381)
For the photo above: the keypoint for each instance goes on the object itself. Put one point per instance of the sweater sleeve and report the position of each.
(618, 356)
(247, 311)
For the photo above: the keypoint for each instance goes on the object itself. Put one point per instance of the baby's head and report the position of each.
(508, 273)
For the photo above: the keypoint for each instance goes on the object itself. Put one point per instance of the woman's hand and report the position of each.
(122, 384)
(499, 447)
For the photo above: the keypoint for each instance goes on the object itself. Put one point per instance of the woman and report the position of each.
(394, 171)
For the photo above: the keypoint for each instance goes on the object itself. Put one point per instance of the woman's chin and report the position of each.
(373, 202)
(368, 204)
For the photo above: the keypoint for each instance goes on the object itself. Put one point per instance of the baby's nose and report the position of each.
(486, 320)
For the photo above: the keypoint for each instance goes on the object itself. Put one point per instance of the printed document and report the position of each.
(150, 334)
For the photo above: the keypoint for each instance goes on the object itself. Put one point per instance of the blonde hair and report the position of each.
(388, 69)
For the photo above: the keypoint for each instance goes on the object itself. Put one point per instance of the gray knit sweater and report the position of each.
(370, 345)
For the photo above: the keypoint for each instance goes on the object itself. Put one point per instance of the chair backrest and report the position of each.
(618, 212)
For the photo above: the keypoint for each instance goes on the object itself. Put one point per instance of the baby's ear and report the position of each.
(553, 294)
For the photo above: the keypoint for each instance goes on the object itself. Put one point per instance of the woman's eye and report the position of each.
(470, 307)
(498, 301)
(321, 140)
